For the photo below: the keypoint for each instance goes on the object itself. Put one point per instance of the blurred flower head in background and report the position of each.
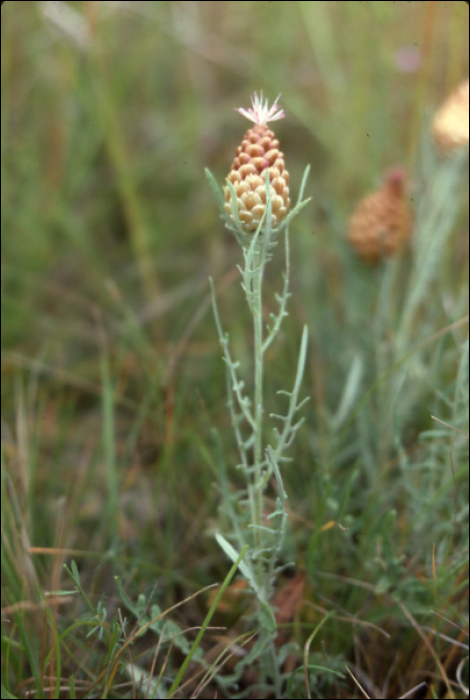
(450, 123)
(382, 221)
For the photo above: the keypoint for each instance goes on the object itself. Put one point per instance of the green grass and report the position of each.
(113, 391)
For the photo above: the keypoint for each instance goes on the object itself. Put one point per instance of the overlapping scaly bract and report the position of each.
(257, 155)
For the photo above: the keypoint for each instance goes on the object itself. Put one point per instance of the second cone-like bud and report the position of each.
(382, 221)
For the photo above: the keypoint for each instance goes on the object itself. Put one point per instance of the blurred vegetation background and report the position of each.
(111, 368)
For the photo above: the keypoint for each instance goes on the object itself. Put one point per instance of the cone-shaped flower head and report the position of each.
(257, 154)
(450, 123)
(382, 221)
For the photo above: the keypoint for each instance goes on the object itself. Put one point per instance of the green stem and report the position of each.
(258, 399)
